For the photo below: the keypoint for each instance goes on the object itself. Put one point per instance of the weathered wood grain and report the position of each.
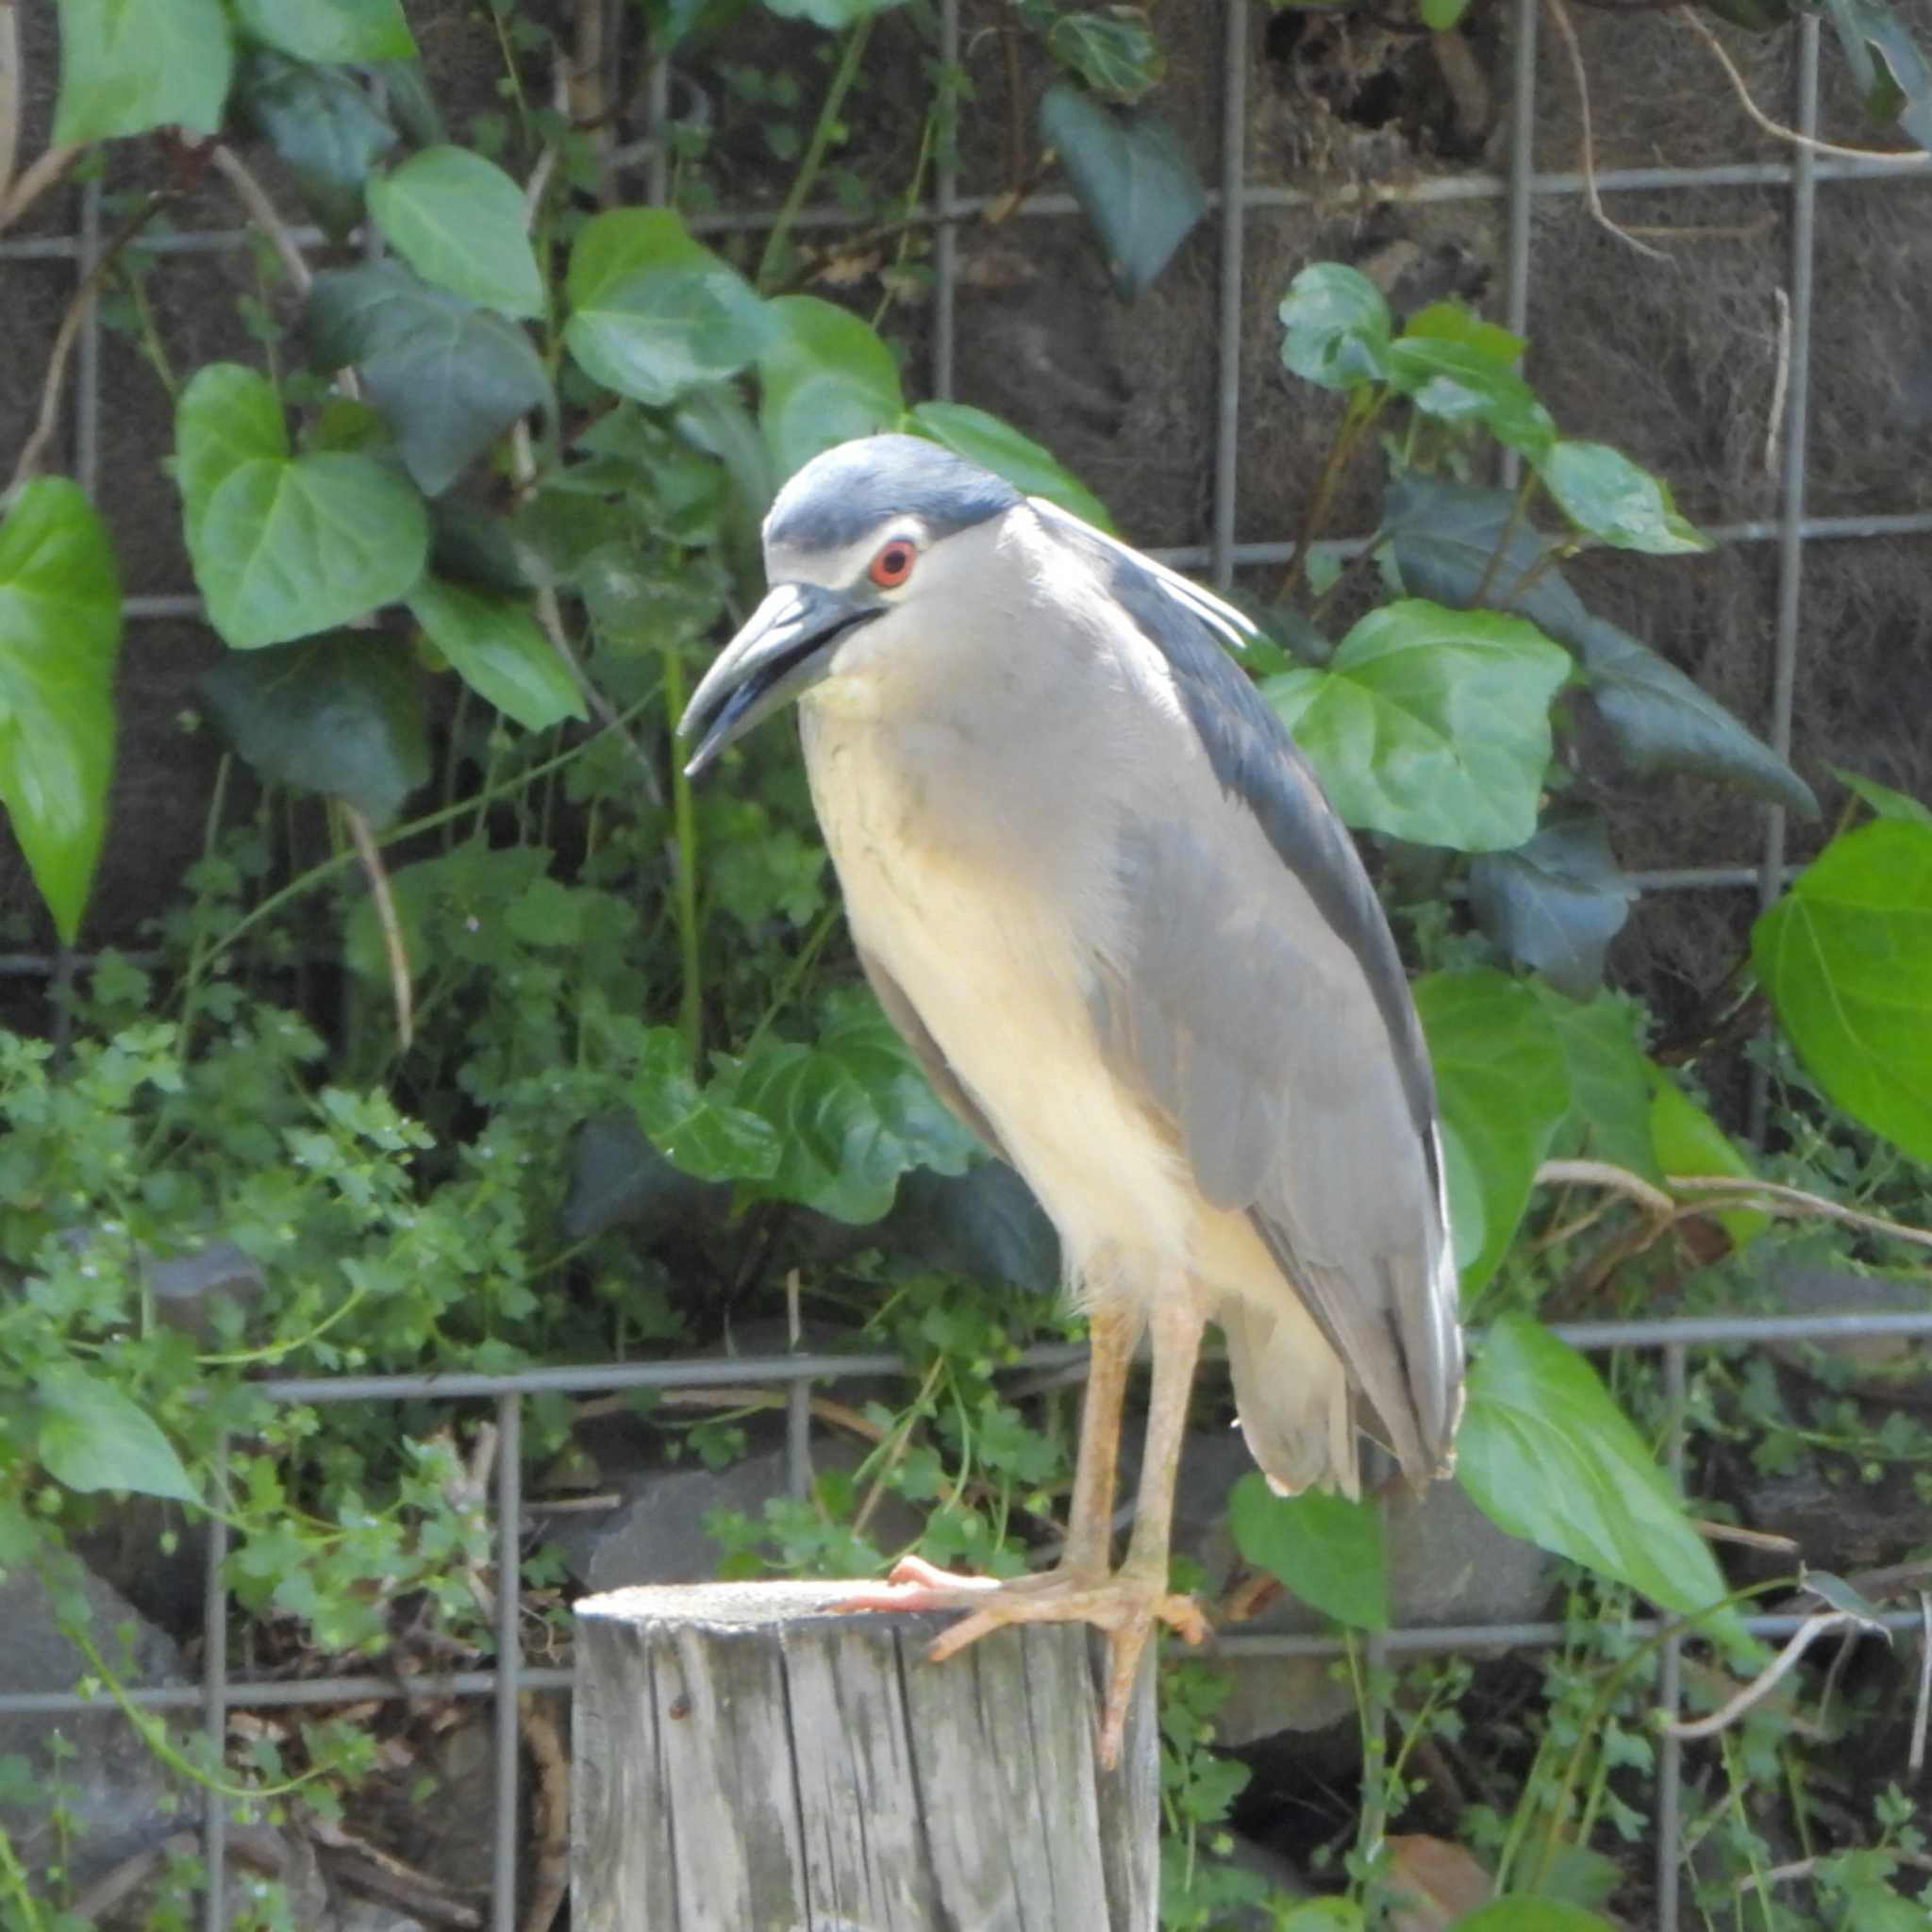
(745, 1763)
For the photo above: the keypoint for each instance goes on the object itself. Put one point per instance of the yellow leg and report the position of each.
(1128, 1604)
(1114, 1328)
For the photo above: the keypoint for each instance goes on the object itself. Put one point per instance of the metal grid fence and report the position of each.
(216, 1694)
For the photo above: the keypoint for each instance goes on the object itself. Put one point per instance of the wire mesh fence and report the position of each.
(1219, 552)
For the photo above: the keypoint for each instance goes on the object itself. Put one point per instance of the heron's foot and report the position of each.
(1127, 1605)
(916, 1585)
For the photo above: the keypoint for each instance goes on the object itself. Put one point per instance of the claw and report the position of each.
(1125, 1606)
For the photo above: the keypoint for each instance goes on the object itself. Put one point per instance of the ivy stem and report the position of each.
(793, 974)
(1354, 426)
(685, 825)
(340, 861)
(1517, 509)
(846, 72)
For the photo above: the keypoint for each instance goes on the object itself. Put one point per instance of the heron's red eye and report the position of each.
(893, 565)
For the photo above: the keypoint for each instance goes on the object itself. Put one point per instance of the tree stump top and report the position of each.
(747, 1761)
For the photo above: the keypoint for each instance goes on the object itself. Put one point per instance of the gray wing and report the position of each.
(928, 1052)
(1259, 1000)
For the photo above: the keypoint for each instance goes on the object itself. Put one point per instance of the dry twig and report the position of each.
(1560, 17)
(1717, 1192)
(1760, 1687)
(393, 945)
(262, 212)
(1776, 129)
(1780, 386)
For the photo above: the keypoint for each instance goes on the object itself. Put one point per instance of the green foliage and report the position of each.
(130, 65)
(653, 313)
(1430, 723)
(1530, 1915)
(283, 544)
(493, 645)
(458, 220)
(60, 636)
(1557, 900)
(340, 715)
(824, 377)
(1503, 1083)
(330, 30)
(1134, 181)
(323, 124)
(1323, 1547)
(448, 378)
(1546, 1453)
(642, 1085)
(1846, 956)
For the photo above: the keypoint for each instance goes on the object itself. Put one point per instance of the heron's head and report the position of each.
(871, 538)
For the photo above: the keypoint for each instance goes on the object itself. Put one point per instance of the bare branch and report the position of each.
(10, 92)
(1776, 129)
(1789, 1203)
(1603, 1174)
(1559, 16)
(263, 214)
(1754, 1694)
(39, 176)
(392, 943)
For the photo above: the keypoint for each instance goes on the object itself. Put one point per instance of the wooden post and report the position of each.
(746, 1762)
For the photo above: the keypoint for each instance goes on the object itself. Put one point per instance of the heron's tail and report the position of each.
(1292, 1394)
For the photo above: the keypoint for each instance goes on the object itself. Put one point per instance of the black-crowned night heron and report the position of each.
(1097, 889)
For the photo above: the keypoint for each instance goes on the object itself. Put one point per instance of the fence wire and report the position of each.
(1219, 555)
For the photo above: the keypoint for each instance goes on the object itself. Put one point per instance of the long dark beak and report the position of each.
(784, 649)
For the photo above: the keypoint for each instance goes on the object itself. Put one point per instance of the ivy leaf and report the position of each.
(458, 220)
(1609, 1117)
(1884, 800)
(448, 377)
(1602, 491)
(824, 377)
(1505, 1089)
(1545, 1452)
(1326, 1549)
(984, 1224)
(998, 446)
(1460, 381)
(341, 715)
(1113, 50)
(494, 647)
(92, 1437)
(325, 127)
(1130, 176)
(129, 65)
(1661, 719)
(1688, 1141)
(1430, 723)
(833, 15)
(60, 636)
(1439, 16)
(1892, 72)
(700, 1130)
(283, 545)
(654, 313)
(1445, 534)
(1338, 328)
(1557, 900)
(1846, 956)
(1450, 321)
(1531, 1914)
(330, 31)
(851, 1113)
